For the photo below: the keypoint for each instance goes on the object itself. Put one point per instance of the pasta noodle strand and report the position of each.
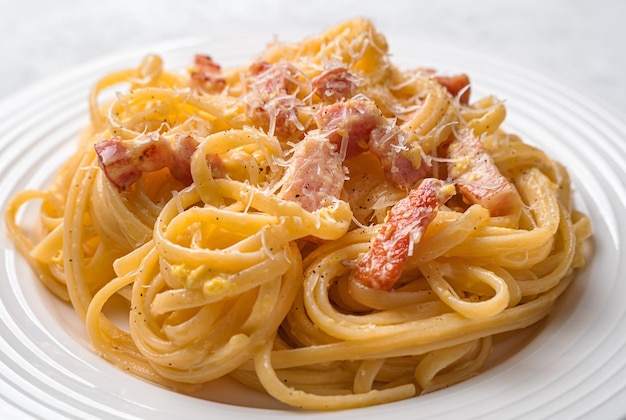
(224, 214)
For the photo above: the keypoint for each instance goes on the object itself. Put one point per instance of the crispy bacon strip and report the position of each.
(124, 161)
(381, 267)
(357, 125)
(478, 178)
(348, 124)
(455, 85)
(314, 175)
(386, 144)
(335, 84)
(207, 75)
(271, 99)
(272, 78)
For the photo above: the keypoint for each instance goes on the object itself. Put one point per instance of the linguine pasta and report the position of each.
(319, 224)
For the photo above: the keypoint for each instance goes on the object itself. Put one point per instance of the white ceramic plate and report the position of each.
(573, 364)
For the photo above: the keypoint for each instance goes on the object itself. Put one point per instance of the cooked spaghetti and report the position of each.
(320, 224)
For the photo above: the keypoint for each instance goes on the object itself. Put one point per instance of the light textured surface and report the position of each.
(580, 42)
(580, 368)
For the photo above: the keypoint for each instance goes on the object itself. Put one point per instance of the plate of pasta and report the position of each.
(341, 224)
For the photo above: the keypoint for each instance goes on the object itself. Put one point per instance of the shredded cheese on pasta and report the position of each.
(235, 236)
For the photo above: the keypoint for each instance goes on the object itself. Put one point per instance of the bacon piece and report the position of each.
(386, 143)
(124, 161)
(357, 125)
(207, 75)
(381, 267)
(272, 78)
(117, 162)
(455, 85)
(180, 160)
(335, 84)
(271, 99)
(314, 175)
(478, 178)
(349, 124)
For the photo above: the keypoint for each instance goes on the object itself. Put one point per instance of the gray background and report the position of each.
(580, 42)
